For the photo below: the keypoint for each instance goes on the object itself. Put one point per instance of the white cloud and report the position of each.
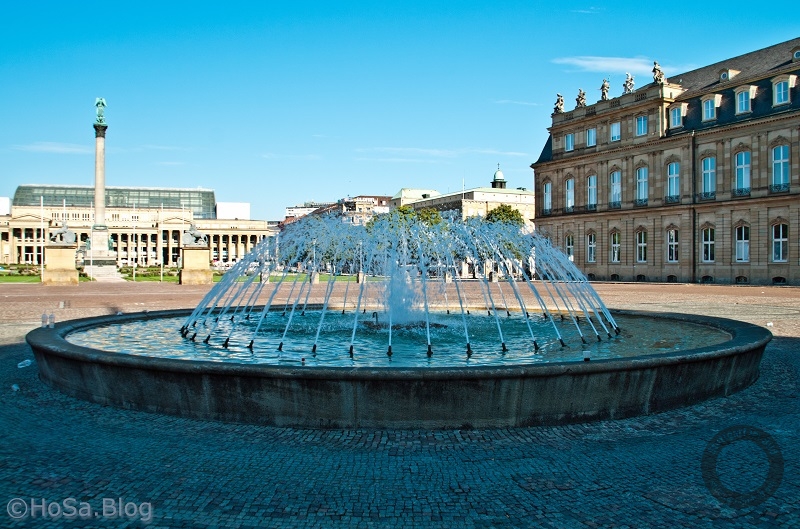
(587, 10)
(610, 65)
(618, 66)
(54, 147)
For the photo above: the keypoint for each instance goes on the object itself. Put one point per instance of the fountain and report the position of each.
(410, 321)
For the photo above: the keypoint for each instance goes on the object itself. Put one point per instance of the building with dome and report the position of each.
(471, 202)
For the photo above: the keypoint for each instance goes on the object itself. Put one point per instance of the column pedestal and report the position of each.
(59, 264)
(195, 267)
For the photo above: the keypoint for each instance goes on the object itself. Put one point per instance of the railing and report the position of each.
(615, 205)
(672, 199)
(707, 195)
(779, 188)
(547, 212)
(591, 207)
(639, 202)
(569, 209)
(741, 192)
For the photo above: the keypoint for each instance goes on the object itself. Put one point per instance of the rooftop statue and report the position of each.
(559, 104)
(627, 86)
(604, 90)
(100, 103)
(658, 75)
(581, 99)
(63, 236)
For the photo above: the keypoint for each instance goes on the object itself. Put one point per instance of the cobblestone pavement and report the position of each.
(171, 472)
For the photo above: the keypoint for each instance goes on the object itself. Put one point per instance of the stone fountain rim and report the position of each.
(744, 337)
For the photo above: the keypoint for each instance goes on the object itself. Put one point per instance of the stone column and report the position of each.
(100, 174)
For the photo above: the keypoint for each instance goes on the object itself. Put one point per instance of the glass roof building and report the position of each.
(201, 202)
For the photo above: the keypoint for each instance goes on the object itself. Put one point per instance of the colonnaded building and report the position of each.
(691, 178)
(144, 224)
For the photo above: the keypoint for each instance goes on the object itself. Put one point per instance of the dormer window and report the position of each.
(677, 111)
(709, 105)
(796, 54)
(744, 95)
(726, 74)
(781, 89)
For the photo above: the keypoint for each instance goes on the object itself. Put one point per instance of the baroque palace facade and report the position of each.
(145, 224)
(694, 178)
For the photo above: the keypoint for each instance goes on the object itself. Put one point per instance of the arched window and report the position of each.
(780, 168)
(708, 240)
(615, 239)
(591, 247)
(709, 189)
(641, 246)
(591, 192)
(547, 203)
(780, 243)
(569, 188)
(673, 182)
(569, 246)
(641, 186)
(615, 189)
(742, 242)
(672, 245)
(742, 163)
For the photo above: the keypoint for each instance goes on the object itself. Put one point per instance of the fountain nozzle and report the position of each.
(430, 351)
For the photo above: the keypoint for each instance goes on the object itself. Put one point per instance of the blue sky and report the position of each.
(277, 103)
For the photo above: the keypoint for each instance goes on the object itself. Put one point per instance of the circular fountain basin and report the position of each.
(522, 393)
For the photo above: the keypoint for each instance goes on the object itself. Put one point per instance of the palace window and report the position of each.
(569, 187)
(615, 189)
(742, 159)
(672, 246)
(641, 246)
(569, 246)
(641, 125)
(569, 142)
(742, 244)
(591, 137)
(673, 180)
(780, 168)
(591, 192)
(708, 245)
(547, 207)
(709, 177)
(615, 247)
(641, 186)
(591, 248)
(615, 131)
(780, 243)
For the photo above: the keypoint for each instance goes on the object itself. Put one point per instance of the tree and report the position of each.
(505, 213)
(429, 216)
